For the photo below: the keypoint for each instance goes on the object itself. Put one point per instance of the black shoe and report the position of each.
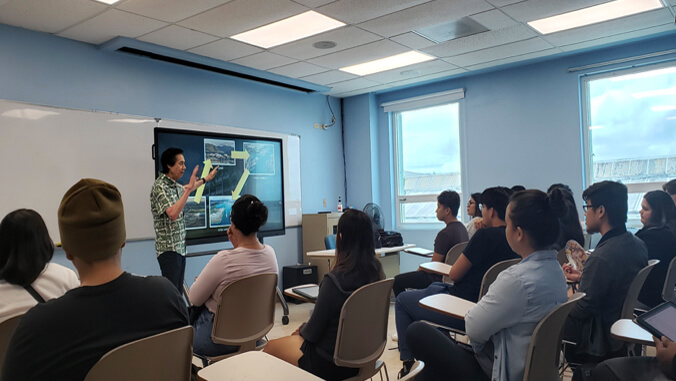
(408, 364)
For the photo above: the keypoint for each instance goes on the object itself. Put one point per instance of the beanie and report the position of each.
(91, 220)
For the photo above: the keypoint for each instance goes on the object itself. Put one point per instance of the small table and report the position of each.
(254, 366)
(627, 330)
(390, 264)
(447, 304)
(436, 268)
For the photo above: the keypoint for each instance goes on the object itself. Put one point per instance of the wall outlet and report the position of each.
(325, 203)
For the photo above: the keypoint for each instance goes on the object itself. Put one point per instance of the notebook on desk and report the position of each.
(309, 292)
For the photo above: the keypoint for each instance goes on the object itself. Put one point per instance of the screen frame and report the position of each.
(222, 237)
(641, 320)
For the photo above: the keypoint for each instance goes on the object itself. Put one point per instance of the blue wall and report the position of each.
(520, 125)
(43, 69)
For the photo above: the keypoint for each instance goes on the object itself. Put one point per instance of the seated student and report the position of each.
(608, 272)
(63, 338)
(659, 368)
(670, 187)
(486, 248)
(25, 253)
(501, 324)
(570, 228)
(448, 203)
(657, 209)
(474, 211)
(248, 257)
(312, 346)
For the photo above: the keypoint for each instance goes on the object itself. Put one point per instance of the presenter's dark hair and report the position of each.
(670, 187)
(355, 246)
(663, 209)
(25, 247)
(613, 197)
(538, 215)
(168, 158)
(477, 199)
(496, 198)
(570, 227)
(249, 214)
(450, 199)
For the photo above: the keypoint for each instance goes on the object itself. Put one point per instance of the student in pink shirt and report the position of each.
(248, 257)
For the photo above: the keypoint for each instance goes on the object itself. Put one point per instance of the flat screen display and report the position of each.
(247, 165)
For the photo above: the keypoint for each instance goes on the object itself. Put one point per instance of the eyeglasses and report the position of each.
(586, 207)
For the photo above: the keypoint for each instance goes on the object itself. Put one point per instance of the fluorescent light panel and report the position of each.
(387, 63)
(109, 2)
(291, 29)
(592, 15)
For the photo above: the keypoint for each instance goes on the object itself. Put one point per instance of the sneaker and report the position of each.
(408, 364)
(395, 337)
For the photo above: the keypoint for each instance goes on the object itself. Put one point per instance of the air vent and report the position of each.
(451, 30)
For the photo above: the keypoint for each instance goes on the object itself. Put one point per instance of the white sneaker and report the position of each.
(395, 337)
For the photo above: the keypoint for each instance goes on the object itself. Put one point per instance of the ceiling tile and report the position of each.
(356, 11)
(225, 49)
(494, 20)
(48, 16)
(618, 37)
(499, 52)
(609, 28)
(413, 40)
(298, 69)
(360, 54)
(536, 9)
(332, 76)
(177, 37)
(481, 41)
(523, 57)
(314, 3)
(169, 10)
(242, 15)
(110, 24)
(502, 3)
(345, 37)
(263, 60)
(428, 77)
(423, 68)
(431, 13)
(352, 84)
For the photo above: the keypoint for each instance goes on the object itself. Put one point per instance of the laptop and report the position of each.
(308, 292)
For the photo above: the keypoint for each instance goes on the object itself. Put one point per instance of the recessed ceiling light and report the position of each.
(109, 2)
(291, 29)
(592, 15)
(387, 63)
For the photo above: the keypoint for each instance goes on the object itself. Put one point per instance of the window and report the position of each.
(630, 124)
(427, 160)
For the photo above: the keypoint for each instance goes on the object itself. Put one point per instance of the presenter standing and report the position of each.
(167, 200)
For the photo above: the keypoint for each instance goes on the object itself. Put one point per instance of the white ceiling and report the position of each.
(375, 29)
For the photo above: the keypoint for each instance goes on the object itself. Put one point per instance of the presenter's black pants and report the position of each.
(172, 265)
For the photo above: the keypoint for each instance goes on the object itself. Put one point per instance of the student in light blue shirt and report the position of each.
(501, 324)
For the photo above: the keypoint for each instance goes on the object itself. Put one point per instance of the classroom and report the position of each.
(521, 119)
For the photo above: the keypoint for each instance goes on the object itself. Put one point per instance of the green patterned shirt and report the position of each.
(169, 235)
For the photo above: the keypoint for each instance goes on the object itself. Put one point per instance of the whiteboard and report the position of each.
(45, 150)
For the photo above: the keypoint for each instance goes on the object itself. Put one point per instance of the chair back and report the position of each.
(246, 311)
(166, 356)
(416, 368)
(330, 241)
(452, 255)
(492, 274)
(542, 360)
(668, 293)
(6, 330)
(362, 329)
(635, 289)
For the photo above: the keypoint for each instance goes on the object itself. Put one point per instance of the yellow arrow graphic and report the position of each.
(240, 184)
(205, 172)
(240, 154)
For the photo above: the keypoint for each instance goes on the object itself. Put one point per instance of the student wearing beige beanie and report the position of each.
(63, 339)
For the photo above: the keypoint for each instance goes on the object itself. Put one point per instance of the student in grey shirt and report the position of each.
(502, 322)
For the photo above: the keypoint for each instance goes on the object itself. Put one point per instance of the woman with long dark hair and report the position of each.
(503, 320)
(25, 254)
(247, 257)
(311, 346)
(474, 211)
(657, 214)
(570, 227)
